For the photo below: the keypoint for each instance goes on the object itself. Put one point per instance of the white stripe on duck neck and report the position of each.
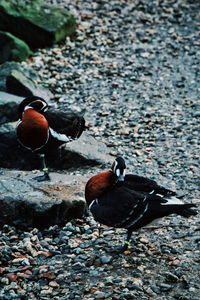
(27, 107)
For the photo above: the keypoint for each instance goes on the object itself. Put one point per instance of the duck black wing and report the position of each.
(146, 186)
(120, 207)
(65, 124)
(161, 201)
(126, 208)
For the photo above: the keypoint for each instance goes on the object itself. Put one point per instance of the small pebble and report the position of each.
(132, 69)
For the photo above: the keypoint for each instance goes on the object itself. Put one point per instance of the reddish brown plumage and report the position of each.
(32, 132)
(98, 184)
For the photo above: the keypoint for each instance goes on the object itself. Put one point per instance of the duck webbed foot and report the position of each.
(120, 248)
(124, 247)
(44, 177)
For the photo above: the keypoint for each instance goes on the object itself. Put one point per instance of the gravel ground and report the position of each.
(133, 67)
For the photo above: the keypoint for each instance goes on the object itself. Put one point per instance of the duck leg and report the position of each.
(45, 176)
(124, 247)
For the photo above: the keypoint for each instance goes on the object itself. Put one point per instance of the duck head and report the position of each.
(34, 102)
(119, 169)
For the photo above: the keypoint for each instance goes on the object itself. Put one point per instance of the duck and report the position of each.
(41, 128)
(130, 201)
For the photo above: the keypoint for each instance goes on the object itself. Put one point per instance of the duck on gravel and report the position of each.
(41, 129)
(130, 201)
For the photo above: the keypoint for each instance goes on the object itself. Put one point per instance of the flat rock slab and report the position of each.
(86, 151)
(23, 88)
(38, 24)
(9, 107)
(7, 68)
(25, 202)
(18, 84)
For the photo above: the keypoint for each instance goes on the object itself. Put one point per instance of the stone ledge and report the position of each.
(85, 151)
(26, 203)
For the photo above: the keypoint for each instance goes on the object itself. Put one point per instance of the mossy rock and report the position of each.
(38, 24)
(12, 48)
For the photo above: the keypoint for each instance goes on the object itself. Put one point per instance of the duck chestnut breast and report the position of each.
(33, 130)
(42, 130)
(97, 185)
(131, 201)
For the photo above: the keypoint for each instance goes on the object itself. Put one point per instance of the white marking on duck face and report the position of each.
(60, 136)
(114, 166)
(172, 201)
(117, 172)
(27, 107)
(44, 104)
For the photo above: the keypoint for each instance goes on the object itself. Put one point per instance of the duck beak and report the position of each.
(120, 178)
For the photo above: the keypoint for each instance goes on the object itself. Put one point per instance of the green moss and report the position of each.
(21, 50)
(12, 48)
(39, 13)
(35, 22)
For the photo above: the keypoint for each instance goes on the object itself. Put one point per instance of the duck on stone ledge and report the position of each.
(40, 129)
(130, 201)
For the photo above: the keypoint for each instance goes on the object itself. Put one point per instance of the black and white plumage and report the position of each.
(42, 129)
(130, 201)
